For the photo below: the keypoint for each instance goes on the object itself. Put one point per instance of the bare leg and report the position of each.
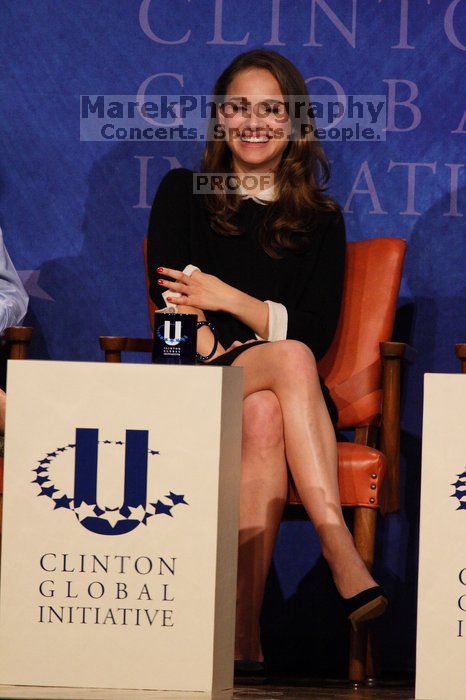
(288, 368)
(263, 491)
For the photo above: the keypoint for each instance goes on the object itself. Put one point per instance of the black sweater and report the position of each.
(309, 284)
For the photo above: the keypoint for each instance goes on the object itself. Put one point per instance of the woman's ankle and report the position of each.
(336, 543)
(248, 649)
(349, 572)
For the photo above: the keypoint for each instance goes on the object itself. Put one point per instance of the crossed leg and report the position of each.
(287, 370)
(263, 491)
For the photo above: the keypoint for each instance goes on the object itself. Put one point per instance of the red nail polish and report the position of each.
(160, 281)
(160, 269)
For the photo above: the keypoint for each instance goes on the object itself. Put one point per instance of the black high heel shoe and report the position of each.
(366, 605)
(248, 668)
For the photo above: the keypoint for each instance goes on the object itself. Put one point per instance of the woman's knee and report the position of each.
(295, 356)
(262, 420)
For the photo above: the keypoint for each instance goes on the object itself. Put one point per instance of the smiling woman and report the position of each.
(267, 124)
(270, 268)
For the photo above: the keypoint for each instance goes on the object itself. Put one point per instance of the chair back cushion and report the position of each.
(352, 367)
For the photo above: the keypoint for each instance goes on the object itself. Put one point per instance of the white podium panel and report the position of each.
(441, 622)
(120, 526)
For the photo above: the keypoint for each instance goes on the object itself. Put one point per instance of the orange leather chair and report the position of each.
(17, 340)
(362, 371)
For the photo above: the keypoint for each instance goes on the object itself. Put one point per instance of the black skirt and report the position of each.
(227, 358)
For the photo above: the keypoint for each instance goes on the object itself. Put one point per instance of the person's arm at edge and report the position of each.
(13, 297)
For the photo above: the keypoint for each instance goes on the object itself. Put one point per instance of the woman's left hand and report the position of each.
(199, 289)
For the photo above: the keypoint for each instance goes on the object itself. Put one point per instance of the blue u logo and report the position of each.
(135, 480)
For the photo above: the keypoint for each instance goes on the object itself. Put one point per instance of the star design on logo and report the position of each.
(41, 480)
(146, 518)
(138, 513)
(49, 491)
(112, 516)
(40, 470)
(63, 502)
(175, 499)
(85, 510)
(161, 508)
(459, 483)
(460, 490)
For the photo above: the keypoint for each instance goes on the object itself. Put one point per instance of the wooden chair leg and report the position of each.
(367, 665)
(365, 520)
(372, 658)
(358, 654)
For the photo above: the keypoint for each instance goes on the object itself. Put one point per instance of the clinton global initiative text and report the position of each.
(84, 615)
(89, 589)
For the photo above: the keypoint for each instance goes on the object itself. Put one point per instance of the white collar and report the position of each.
(265, 196)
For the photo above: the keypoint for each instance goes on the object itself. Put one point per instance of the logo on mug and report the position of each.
(175, 339)
(108, 484)
(165, 335)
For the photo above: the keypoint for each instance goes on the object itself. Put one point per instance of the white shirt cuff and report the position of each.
(278, 321)
(170, 305)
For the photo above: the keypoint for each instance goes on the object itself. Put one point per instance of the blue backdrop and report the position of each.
(74, 213)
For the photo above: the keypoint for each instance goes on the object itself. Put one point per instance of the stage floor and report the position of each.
(322, 691)
(259, 691)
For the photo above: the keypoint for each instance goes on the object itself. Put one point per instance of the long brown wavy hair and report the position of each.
(301, 177)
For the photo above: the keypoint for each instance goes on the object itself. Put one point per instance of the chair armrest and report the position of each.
(18, 339)
(392, 353)
(393, 350)
(460, 350)
(114, 345)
